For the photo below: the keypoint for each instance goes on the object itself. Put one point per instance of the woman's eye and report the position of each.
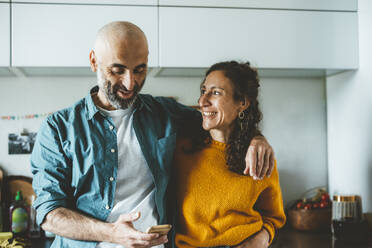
(215, 92)
(202, 92)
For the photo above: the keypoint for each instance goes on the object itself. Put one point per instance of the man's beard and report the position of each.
(111, 92)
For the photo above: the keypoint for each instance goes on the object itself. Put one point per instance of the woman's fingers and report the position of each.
(271, 164)
(266, 165)
(260, 162)
(250, 161)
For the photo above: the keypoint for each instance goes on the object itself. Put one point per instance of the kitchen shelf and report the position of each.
(161, 72)
(323, 5)
(6, 72)
(48, 35)
(267, 38)
(262, 72)
(97, 2)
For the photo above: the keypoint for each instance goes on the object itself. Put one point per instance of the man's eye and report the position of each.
(202, 92)
(139, 70)
(117, 70)
(215, 92)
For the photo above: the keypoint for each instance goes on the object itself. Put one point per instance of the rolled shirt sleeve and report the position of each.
(51, 171)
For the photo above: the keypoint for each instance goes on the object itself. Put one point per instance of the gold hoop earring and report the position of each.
(241, 117)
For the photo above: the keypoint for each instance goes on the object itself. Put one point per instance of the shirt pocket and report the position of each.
(165, 150)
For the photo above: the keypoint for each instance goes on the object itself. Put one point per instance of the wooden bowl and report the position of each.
(310, 219)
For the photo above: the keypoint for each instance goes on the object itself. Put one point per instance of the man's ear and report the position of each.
(93, 61)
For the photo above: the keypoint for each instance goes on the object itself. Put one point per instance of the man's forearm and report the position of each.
(71, 224)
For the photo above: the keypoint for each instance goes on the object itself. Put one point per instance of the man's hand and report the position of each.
(71, 224)
(125, 234)
(259, 240)
(259, 160)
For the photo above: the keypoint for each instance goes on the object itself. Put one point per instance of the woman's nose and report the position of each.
(203, 100)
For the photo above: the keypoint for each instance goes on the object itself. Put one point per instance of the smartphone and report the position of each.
(161, 229)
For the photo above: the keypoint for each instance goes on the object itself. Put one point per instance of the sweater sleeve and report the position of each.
(270, 205)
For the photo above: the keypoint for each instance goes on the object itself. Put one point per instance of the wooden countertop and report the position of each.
(286, 238)
(291, 238)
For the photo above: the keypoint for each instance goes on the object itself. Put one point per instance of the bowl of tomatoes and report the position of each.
(311, 213)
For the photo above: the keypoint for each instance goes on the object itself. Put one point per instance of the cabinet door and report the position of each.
(4, 34)
(63, 35)
(199, 37)
(338, 5)
(117, 2)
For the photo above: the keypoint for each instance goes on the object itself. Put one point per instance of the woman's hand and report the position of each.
(259, 240)
(259, 160)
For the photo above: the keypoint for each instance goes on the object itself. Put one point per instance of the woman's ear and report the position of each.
(244, 104)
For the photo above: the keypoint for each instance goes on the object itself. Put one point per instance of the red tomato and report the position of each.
(307, 206)
(325, 197)
(300, 205)
(323, 204)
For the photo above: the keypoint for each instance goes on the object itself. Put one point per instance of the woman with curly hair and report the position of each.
(217, 205)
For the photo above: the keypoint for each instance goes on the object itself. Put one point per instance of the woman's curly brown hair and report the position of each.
(245, 82)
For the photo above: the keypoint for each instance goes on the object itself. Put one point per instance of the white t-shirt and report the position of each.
(135, 187)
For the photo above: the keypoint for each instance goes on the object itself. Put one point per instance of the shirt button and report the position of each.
(112, 150)
(111, 179)
(107, 207)
(111, 127)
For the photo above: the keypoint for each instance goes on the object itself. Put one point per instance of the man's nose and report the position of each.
(128, 81)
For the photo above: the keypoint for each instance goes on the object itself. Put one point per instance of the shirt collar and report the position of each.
(92, 109)
(141, 103)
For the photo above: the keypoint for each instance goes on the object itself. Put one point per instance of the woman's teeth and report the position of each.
(209, 113)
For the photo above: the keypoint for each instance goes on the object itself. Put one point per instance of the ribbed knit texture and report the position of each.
(219, 207)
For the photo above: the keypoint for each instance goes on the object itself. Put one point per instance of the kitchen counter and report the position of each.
(291, 238)
(287, 238)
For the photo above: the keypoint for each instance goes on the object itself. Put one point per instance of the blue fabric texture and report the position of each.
(75, 154)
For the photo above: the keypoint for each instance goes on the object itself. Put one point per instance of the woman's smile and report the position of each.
(209, 114)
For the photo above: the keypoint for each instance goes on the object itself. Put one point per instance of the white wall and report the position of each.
(295, 124)
(294, 119)
(349, 108)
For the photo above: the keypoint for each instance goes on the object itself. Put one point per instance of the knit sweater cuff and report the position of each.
(270, 229)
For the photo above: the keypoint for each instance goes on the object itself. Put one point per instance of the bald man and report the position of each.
(101, 167)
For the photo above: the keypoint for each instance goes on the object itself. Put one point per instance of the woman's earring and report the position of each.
(241, 117)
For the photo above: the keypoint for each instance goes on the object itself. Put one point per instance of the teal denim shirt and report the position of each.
(75, 155)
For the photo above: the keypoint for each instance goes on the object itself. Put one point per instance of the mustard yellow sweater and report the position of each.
(219, 207)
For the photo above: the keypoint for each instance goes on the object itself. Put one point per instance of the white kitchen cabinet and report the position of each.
(49, 35)
(4, 35)
(199, 37)
(336, 5)
(102, 2)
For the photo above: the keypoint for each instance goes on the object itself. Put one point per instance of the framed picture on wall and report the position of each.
(21, 143)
